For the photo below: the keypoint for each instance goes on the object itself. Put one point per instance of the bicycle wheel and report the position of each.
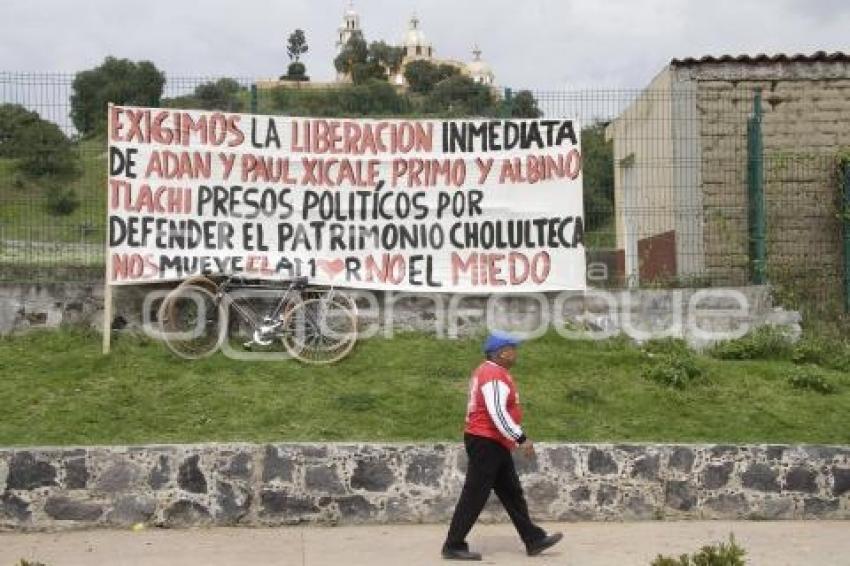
(192, 320)
(319, 331)
(344, 299)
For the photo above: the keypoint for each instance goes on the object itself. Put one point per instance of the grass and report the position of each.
(32, 238)
(23, 202)
(57, 389)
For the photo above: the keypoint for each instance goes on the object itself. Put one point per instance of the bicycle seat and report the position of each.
(299, 282)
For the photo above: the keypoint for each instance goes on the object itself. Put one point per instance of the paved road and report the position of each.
(772, 543)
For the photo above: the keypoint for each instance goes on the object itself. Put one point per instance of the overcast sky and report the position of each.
(543, 44)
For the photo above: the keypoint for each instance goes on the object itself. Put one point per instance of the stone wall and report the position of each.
(638, 313)
(806, 109)
(273, 484)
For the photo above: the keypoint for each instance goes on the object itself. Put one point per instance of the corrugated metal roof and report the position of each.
(818, 57)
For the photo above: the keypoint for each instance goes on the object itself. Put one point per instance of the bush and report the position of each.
(809, 351)
(296, 72)
(667, 346)
(765, 343)
(710, 555)
(375, 97)
(674, 369)
(61, 200)
(39, 146)
(832, 354)
(811, 378)
(222, 94)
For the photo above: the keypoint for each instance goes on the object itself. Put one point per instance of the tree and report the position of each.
(222, 94)
(422, 76)
(388, 56)
(370, 70)
(598, 176)
(364, 62)
(459, 95)
(524, 105)
(355, 52)
(119, 81)
(296, 45)
(39, 146)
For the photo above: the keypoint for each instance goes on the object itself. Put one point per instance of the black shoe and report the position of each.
(460, 553)
(548, 541)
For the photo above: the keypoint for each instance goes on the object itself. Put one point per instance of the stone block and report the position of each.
(277, 466)
(190, 477)
(716, 476)
(26, 471)
(185, 513)
(646, 467)
(76, 473)
(840, 481)
(118, 477)
(760, 477)
(130, 510)
(425, 469)
(601, 462)
(819, 508)
(323, 479)
(372, 476)
(14, 508)
(681, 459)
(240, 466)
(800, 478)
(562, 460)
(356, 508)
(680, 495)
(234, 502)
(160, 475)
(727, 506)
(63, 508)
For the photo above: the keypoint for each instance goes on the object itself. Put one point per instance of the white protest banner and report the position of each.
(407, 205)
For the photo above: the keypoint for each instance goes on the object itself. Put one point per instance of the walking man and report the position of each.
(492, 431)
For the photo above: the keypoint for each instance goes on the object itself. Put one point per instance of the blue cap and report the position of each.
(498, 340)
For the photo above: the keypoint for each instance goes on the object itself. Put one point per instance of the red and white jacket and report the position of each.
(493, 410)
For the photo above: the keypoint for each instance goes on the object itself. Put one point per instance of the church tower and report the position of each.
(479, 70)
(415, 44)
(350, 26)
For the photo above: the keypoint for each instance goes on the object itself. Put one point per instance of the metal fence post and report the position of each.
(755, 194)
(845, 216)
(253, 98)
(508, 110)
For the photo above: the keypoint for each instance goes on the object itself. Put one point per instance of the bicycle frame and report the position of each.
(263, 326)
(254, 318)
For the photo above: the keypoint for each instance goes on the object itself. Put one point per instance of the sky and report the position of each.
(537, 44)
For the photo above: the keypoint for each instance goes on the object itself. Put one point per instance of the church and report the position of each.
(416, 47)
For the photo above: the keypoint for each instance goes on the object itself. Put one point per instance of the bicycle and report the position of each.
(314, 325)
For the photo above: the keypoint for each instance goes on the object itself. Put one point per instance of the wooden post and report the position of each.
(107, 288)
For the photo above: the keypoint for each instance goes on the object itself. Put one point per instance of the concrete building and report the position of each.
(680, 158)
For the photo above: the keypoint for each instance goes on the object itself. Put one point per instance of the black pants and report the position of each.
(490, 467)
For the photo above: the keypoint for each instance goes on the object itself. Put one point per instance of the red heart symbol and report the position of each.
(332, 268)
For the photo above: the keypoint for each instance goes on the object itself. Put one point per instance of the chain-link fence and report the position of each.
(677, 191)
